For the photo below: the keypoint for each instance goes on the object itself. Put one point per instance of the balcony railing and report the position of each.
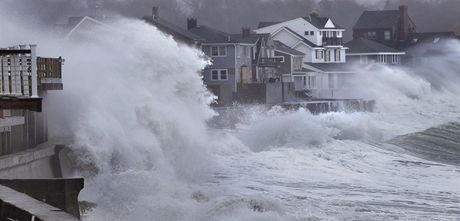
(51, 80)
(332, 41)
(269, 62)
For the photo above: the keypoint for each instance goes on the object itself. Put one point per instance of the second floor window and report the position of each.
(219, 75)
(371, 35)
(387, 35)
(218, 51)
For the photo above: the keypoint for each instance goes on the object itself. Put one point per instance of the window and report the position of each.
(223, 75)
(219, 75)
(215, 75)
(387, 35)
(328, 55)
(218, 51)
(312, 33)
(319, 54)
(337, 55)
(307, 33)
(371, 35)
(311, 82)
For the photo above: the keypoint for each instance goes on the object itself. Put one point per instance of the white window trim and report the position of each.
(218, 51)
(219, 74)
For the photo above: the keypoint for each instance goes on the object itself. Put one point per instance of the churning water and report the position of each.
(137, 110)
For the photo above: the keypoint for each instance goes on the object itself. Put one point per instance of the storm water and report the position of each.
(138, 112)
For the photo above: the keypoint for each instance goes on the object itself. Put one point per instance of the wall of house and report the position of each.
(285, 67)
(307, 51)
(226, 62)
(286, 38)
(298, 25)
(243, 59)
(380, 35)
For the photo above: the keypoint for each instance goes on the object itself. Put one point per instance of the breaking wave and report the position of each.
(441, 144)
(137, 110)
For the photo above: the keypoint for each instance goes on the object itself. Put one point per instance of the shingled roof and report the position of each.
(318, 22)
(172, 29)
(377, 19)
(362, 45)
(211, 35)
(304, 40)
(279, 46)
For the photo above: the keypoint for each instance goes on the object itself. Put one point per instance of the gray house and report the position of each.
(237, 60)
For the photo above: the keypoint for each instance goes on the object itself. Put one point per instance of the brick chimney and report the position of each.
(246, 32)
(403, 28)
(192, 23)
(156, 13)
(313, 14)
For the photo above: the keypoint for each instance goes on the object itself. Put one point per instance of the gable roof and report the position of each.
(83, 20)
(362, 45)
(377, 19)
(303, 39)
(172, 29)
(279, 46)
(318, 22)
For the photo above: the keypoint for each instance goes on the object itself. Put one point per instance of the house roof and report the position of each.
(318, 22)
(286, 49)
(426, 39)
(377, 19)
(80, 22)
(362, 45)
(251, 39)
(211, 35)
(304, 40)
(304, 70)
(331, 67)
(264, 24)
(172, 29)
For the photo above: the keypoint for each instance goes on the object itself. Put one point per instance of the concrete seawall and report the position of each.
(21, 207)
(37, 163)
(325, 106)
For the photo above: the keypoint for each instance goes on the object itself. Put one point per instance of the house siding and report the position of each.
(226, 62)
(285, 67)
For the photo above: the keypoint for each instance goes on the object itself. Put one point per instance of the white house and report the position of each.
(321, 40)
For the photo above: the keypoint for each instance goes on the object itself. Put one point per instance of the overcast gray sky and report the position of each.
(231, 15)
